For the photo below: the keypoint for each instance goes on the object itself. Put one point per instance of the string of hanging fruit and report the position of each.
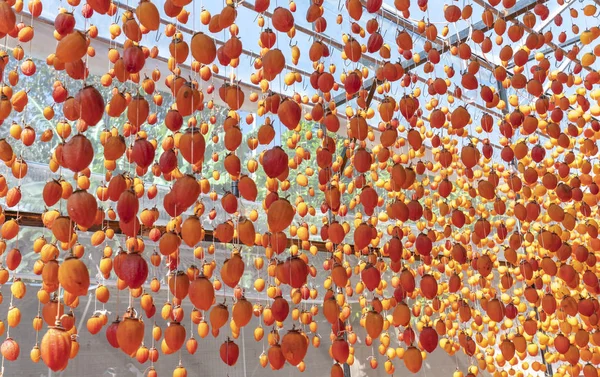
(458, 211)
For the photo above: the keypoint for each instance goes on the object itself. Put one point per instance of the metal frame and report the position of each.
(566, 5)
(394, 16)
(567, 43)
(515, 21)
(32, 219)
(218, 42)
(462, 36)
(335, 44)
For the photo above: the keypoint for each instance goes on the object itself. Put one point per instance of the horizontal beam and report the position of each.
(34, 220)
(396, 18)
(189, 31)
(462, 36)
(223, 292)
(316, 36)
(567, 43)
(555, 47)
(107, 43)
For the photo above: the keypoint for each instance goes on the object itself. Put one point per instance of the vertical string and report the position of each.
(117, 302)
(57, 306)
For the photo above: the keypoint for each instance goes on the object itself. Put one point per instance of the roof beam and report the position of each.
(555, 13)
(219, 43)
(32, 219)
(539, 27)
(530, 30)
(317, 36)
(567, 43)
(395, 17)
(520, 8)
(45, 26)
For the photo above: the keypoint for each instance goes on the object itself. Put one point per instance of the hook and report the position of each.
(116, 17)
(340, 6)
(158, 36)
(411, 84)
(294, 45)
(556, 63)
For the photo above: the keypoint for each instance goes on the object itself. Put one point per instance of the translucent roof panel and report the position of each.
(565, 22)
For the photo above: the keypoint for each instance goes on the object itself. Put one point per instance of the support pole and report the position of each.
(234, 189)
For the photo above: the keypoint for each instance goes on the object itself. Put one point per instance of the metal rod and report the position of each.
(547, 51)
(189, 31)
(517, 22)
(396, 18)
(316, 36)
(32, 219)
(461, 37)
